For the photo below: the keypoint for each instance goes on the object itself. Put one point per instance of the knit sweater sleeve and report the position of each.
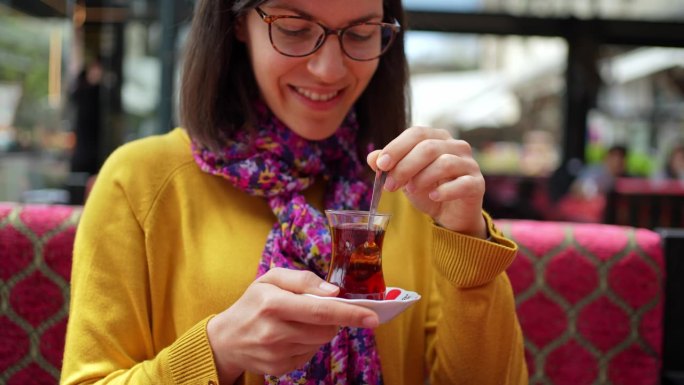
(109, 334)
(473, 333)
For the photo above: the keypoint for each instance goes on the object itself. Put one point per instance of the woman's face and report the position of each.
(310, 94)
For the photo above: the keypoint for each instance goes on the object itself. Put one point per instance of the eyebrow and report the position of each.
(285, 7)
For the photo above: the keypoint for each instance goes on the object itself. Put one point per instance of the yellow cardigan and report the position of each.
(163, 246)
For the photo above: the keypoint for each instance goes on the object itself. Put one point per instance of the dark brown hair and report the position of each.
(218, 84)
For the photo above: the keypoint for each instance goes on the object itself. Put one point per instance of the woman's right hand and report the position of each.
(273, 330)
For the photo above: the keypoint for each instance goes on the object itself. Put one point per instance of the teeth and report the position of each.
(316, 96)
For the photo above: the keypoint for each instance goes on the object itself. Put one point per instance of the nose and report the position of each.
(328, 63)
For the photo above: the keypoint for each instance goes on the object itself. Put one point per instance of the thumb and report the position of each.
(372, 159)
(299, 282)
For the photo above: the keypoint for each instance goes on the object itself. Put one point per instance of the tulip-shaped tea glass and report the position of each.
(356, 264)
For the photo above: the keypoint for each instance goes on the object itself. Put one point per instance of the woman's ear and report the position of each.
(241, 29)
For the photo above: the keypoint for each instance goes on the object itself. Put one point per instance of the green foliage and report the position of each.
(24, 59)
(639, 164)
(594, 153)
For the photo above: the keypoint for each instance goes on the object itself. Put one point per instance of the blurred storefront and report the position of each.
(578, 76)
(52, 107)
(542, 89)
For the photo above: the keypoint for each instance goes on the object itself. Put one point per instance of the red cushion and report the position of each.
(35, 252)
(589, 299)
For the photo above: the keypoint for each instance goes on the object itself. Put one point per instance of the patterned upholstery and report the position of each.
(589, 301)
(35, 267)
(589, 297)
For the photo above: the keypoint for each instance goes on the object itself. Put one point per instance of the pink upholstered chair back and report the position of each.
(35, 267)
(590, 302)
(589, 298)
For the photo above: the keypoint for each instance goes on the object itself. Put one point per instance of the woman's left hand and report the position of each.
(438, 175)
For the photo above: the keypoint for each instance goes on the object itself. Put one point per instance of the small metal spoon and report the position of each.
(379, 182)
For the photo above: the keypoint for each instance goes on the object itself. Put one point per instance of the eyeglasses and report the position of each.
(298, 36)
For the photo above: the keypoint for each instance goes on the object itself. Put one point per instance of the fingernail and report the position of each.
(327, 287)
(434, 195)
(383, 162)
(370, 322)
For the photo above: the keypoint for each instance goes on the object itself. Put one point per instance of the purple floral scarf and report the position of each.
(278, 165)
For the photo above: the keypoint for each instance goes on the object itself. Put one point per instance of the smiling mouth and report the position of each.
(315, 96)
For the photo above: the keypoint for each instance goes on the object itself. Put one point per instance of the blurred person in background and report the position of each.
(674, 165)
(599, 179)
(585, 200)
(85, 99)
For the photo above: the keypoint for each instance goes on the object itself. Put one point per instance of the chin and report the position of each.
(315, 131)
(316, 134)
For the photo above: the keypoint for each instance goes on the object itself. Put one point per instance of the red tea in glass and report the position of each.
(356, 264)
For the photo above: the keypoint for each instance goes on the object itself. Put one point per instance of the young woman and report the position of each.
(195, 247)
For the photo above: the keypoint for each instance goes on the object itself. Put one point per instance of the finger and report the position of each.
(281, 352)
(284, 360)
(306, 334)
(372, 158)
(404, 143)
(288, 332)
(276, 301)
(298, 281)
(445, 168)
(316, 311)
(424, 155)
(286, 365)
(466, 187)
(299, 349)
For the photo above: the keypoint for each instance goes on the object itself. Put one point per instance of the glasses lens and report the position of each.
(367, 41)
(295, 36)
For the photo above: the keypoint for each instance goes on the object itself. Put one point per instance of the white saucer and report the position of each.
(399, 300)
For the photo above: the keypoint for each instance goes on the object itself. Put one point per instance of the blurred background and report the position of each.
(542, 89)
